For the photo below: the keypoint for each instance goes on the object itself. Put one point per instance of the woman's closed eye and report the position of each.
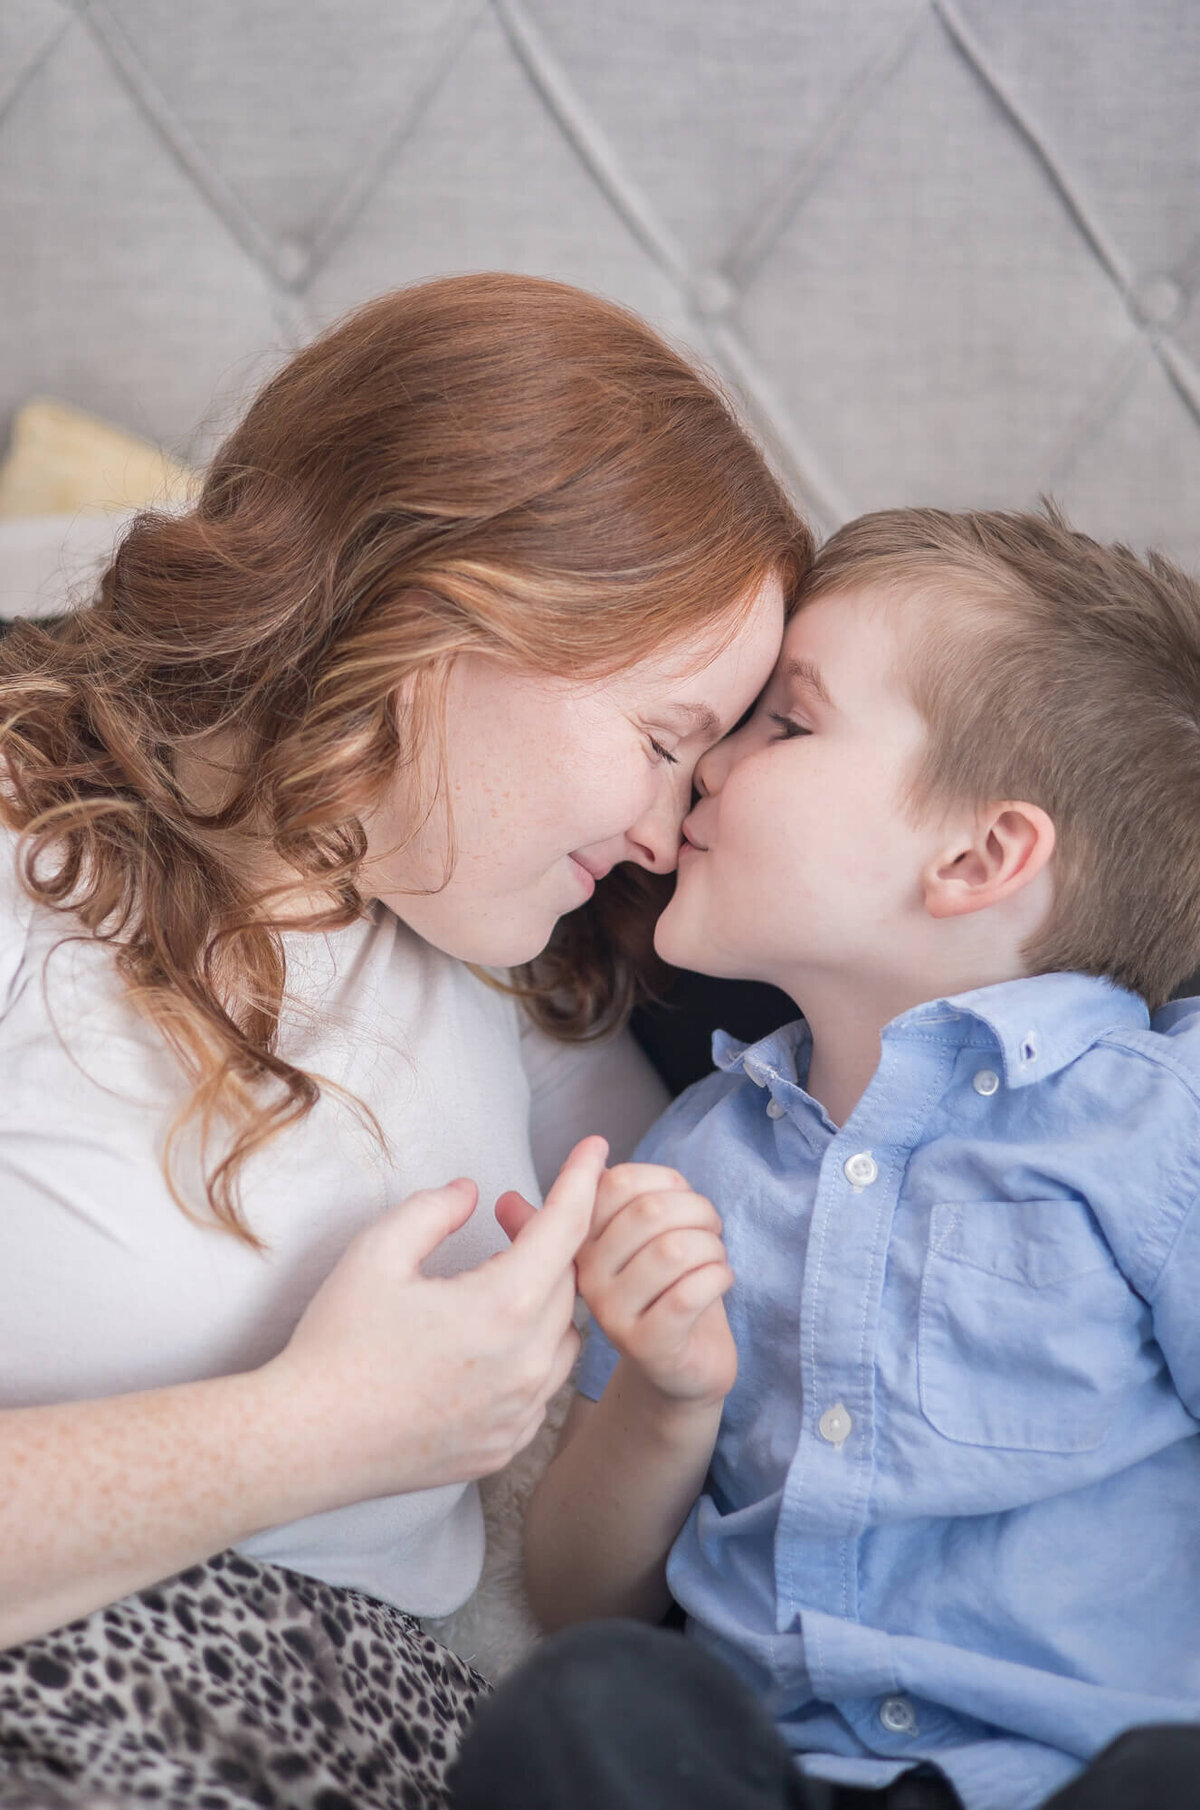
(663, 754)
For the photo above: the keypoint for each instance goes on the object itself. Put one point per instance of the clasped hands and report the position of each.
(652, 1271)
(394, 1380)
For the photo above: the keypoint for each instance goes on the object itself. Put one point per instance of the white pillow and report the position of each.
(48, 562)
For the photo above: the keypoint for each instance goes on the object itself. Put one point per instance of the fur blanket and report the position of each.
(495, 1629)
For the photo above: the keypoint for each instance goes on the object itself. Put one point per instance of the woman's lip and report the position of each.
(595, 869)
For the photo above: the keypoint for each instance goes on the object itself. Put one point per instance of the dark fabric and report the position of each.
(616, 1716)
(1147, 1769)
(676, 1030)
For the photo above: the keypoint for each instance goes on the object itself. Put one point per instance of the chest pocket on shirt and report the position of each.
(1027, 1327)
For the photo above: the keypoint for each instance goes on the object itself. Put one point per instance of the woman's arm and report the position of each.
(607, 1511)
(392, 1381)
(102, 1497)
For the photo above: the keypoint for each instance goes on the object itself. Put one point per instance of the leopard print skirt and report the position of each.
(235, 1684)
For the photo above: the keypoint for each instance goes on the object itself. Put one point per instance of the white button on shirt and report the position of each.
(775, 1110)
(986, 1081)
(835, 1424)
(896, 1714)
(861, 1170)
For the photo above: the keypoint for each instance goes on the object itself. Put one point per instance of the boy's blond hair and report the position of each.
(1064, 673)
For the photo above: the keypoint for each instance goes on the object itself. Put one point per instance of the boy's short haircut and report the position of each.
(1058, 671)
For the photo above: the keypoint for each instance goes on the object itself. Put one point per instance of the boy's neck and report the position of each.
(847, 1020)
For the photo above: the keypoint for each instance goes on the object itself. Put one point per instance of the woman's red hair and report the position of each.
(489, 463)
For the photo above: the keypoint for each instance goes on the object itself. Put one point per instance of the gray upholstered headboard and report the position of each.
(947, 249)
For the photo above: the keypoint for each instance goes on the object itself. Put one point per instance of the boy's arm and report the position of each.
(607, 1511)
(630, 1466)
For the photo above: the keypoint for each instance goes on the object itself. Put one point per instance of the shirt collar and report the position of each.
(1041, 1023)
(777, 1057)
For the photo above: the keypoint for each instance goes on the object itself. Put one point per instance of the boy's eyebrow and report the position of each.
(803, 672)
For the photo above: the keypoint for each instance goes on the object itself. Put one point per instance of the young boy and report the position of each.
(945, 1523)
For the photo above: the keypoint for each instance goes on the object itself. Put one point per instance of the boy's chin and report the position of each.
(680, 944)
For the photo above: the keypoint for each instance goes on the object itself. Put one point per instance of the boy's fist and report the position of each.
(653, 1272)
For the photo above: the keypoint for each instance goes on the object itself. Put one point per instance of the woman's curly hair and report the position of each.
(492, 463)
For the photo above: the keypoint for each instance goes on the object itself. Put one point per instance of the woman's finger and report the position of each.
(546, 1244)
(417, 1225)
(564, 1362)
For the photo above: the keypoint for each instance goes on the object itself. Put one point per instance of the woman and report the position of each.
(462, 601)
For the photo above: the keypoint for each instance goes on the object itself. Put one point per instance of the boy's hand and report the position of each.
(653, 1272)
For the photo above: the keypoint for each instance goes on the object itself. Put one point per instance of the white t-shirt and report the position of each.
(106, 1286)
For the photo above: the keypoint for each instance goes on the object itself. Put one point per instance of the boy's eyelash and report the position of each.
(672, 760)
(790, 727)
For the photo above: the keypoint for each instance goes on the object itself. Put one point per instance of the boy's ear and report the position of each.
(1009, 846)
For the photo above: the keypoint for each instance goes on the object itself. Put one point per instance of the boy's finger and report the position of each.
(662, 1263)
(547, 1242)
(626, 1182)
(647, 1217)
(692, 1295)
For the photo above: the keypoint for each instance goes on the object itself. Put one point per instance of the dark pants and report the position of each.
(617, 1716)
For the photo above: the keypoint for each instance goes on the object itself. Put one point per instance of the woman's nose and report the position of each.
(656, 836)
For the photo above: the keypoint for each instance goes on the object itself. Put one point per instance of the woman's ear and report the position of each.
(1010, 846)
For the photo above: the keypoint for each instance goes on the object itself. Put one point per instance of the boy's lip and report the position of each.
(689, 836)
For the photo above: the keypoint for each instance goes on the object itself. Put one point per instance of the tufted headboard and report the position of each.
(948, 250)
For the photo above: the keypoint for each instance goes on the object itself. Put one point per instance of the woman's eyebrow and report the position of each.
(699, 719)
(804, 673)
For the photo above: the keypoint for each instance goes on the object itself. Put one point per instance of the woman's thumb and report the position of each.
(430, 1215)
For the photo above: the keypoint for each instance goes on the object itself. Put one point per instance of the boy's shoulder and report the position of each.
(1169, 1047)
(1076, 1029)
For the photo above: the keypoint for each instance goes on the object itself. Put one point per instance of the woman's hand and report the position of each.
(406, 1381)
(653, 1272)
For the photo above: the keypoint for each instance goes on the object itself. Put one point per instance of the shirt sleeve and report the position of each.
(608, 1087)
(597, 1364)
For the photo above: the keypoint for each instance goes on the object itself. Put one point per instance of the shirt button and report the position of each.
(835, 1424)
(775, 1110)
(896, 1714)
(861, 1170)
(986, 1081)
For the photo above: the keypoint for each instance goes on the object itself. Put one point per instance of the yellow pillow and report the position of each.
(61, 460)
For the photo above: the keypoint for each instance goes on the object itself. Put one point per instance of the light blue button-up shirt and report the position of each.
(954, 1509)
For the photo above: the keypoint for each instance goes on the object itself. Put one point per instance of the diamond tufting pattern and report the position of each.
(947, 250)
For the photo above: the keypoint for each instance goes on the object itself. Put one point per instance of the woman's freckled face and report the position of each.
(553, 782)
